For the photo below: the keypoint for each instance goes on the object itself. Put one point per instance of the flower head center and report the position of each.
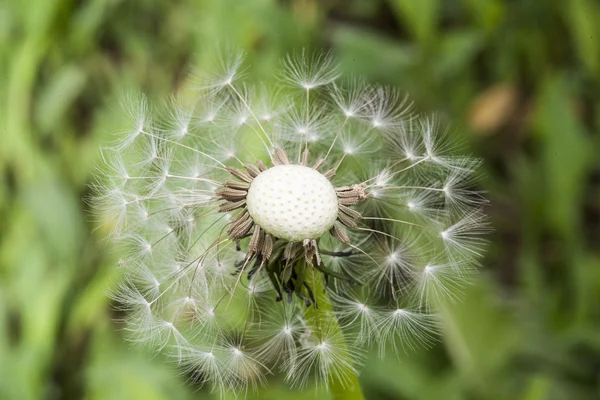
(293, 202)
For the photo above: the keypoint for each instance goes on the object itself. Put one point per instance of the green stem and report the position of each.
(341, 392)
(350, 388)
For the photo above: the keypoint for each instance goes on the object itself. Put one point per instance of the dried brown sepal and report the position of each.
(347, 221)
(230, 206)
(311, 250)
(240, 227)
(305, 155)
(347, 193)
(267, 247)
(241, 217)
(290, 251)
(231, 194)
(237, 185)
(317, 253)
(238, 173)
(255, 242)
(349, 211)
(319, 164)
(350, 196)
(280, 157)
(330, 174)
(252, 169)
(349, 201)
(340, 234)
(261, 166)
(358, 190)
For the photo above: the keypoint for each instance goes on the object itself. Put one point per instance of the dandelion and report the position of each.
(286, 230)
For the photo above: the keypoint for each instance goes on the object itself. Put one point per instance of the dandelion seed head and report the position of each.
(286, 227)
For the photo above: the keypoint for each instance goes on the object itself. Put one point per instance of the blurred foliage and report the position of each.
(521, 80)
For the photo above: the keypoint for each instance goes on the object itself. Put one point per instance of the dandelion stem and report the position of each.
(348, 388)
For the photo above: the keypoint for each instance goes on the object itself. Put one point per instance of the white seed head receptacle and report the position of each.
(293, 202)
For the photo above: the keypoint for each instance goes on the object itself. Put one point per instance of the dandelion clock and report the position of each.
(282, 231)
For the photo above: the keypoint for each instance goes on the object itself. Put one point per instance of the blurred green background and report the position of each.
(520, 80)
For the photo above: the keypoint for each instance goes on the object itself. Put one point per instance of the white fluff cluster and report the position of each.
(234, 307)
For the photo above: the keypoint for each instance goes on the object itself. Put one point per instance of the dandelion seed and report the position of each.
(294, 256)
(405, 328)
(226, 69)
(309, 71)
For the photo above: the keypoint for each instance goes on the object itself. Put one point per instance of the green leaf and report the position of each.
(420, 17)
(114, 372)
(357, 47)
(487, 13)
(58, 96)
(538, 389)
(57, 216)
(457, 51)
(565, 154)
(479, 335)
(583, 18)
